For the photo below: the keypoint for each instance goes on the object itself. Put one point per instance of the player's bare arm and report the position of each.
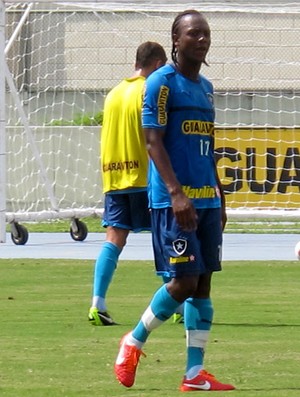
(183, 208)
(223, 202)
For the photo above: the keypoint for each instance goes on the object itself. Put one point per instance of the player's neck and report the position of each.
(138, 73)
(191, 71)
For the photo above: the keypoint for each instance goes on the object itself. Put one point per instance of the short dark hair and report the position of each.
(148, 52)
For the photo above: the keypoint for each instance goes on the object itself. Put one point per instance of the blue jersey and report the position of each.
(184, 110)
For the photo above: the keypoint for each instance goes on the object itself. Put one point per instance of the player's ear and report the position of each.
(159, 63)
(175, 39)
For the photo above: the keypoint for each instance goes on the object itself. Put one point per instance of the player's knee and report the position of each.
(204, 286)
(183, 287)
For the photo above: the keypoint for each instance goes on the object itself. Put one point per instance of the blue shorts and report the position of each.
(127, 211)
(178, 253)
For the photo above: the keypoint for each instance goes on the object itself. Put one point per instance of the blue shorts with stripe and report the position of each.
(178, 253)
(127, 211)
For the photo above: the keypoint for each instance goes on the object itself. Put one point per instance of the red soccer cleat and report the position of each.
(204, 382)
(126, 363)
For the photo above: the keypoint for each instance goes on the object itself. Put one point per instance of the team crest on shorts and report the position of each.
(179, 246)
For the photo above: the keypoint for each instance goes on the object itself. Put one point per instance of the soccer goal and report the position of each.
(60, 58)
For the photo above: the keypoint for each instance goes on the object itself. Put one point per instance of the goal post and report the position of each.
(2, 127)
(62, 57)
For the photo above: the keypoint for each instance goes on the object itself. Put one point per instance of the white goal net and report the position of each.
(62, 57)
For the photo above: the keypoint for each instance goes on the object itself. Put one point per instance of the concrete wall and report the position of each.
(93, 51)
(68, 60)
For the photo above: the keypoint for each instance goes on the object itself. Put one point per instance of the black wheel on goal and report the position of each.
(19, 234)
(78, 230)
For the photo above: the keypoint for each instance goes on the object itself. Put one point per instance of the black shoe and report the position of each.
(97, 318)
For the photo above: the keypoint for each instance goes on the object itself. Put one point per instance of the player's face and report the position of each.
(193, 39)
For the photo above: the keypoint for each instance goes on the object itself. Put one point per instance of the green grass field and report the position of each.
(48, 349)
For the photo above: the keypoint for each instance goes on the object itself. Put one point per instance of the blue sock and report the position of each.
(198, 315)
(180, 309)
(105, 266)
(161, 308)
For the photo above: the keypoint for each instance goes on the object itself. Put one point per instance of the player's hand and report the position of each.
(184, 212)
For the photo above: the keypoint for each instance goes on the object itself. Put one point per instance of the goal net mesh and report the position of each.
(63, 58)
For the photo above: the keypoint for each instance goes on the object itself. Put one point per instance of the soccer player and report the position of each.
(124, 164)
(186, 201)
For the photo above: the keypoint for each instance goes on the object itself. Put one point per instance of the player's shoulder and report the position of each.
(206, 82)
(167, 70)
(163, 74)
(115, 89)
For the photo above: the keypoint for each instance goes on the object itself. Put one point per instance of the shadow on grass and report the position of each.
(266, 389)
(256, 325)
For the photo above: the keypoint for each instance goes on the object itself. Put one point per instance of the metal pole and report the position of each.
(2, 128)
(30, 137)
(18, 28)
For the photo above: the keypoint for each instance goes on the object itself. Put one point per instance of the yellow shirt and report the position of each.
(124, 159)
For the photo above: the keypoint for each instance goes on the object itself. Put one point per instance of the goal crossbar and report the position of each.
(274, 6)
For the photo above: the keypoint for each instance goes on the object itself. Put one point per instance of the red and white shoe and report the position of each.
(126, 363)
(204, 382)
